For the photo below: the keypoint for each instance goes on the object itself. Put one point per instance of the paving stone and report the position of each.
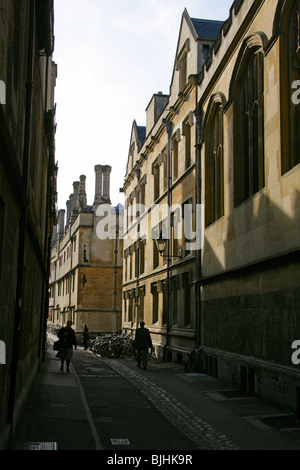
(193, 427)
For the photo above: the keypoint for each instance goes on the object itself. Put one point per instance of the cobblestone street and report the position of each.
(110, 405)
(204, 436)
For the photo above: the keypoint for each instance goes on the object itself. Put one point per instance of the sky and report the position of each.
(112, 56)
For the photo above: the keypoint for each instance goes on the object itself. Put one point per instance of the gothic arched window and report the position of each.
(290, 73)
(214, 168)
(248, 96)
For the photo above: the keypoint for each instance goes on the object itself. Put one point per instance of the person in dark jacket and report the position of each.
(86, 336)
(142, 343)
(67, 340)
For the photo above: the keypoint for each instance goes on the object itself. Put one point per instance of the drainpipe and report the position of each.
(199, 122)
(138, 175)
(116, 262)
(169, 129)
(45, 297)
(54, 296)
(47, 240)
(71, 268)
(23, 221)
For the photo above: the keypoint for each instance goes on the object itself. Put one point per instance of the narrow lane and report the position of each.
(129, 412)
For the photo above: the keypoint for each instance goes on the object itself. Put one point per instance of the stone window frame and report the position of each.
(175, 154)
(142, 193)
(213, 132)
(155, 253)
(249, 154)
(139, 249)
(187, 132)
(164, 162)
(174, 300)
(182, 65)
(156, 179)
(187, 304)
(189, 201)
(287, 27)
(175, 226)
(155, 302)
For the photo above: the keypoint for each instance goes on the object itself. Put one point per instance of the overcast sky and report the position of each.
(112, 56)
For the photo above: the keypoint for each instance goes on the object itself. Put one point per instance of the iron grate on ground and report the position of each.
(40, 446)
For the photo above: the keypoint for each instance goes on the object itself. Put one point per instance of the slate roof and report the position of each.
(141, 131)
(207, 28)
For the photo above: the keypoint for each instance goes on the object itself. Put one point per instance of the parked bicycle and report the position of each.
(114, 345)
(48, 342)
(53, 329)
(194, 361)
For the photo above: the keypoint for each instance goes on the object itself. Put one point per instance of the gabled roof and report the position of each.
(207, 28)
(201, 29)
(138, 136)
(141, 132)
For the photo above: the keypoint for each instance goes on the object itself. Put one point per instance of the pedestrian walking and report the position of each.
(86, 336)
(142, 342)
(67, 339)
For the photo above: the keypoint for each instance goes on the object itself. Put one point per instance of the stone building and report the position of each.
(86, 260)
(27, 197)
(160, 198)
(224, 145)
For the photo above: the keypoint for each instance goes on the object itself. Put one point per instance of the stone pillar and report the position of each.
(82, 193)
(68, 205)
(61, 223)
(71, 199)
(75, 195)
(54, 236)
(98, 184)
(106, 182)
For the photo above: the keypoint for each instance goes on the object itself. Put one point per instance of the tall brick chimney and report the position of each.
(61, 223)
(102, 187)
(98, 184)
(75, 195)
(68, 206)
(82, 200)
(106, 170)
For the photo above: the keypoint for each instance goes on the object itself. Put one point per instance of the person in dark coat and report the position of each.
(67, 340)
(86, 336)
(142, 343)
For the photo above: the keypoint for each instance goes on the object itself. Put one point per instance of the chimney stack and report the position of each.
(75, 195)
(102, 191)
(106, 183)
(68, 205)
(54, 236)
(61, 223)
(98, 185)
(82, 201)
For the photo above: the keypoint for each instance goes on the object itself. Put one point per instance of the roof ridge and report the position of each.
(207, 20)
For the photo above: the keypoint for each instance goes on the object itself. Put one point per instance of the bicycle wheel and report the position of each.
(112, 351)
(188, 365)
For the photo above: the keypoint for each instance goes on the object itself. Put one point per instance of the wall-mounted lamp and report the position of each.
(161, 244)
(84, 259)
(83, 280)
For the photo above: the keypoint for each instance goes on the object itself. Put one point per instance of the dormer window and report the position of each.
(205, 50)
(131, 156)
(182, 65)
(183, 73)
